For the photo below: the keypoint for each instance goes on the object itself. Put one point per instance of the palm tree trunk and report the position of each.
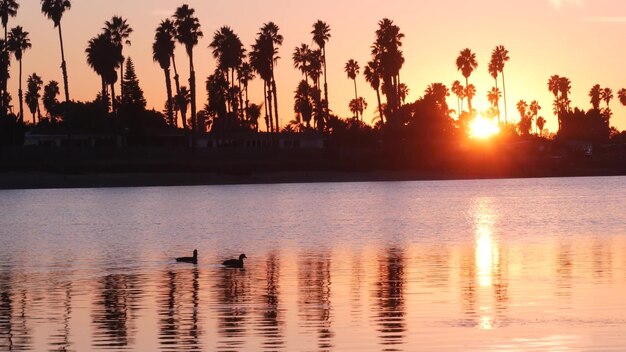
(506, 113)
(497, 101)
(5, 97)
(325, 82)
(380, 107)
(104, 95)
(275, 93)
(168, 86)
(20, 95)
(267, 124)
(192, 88)
(64, 66)
(469, 100)
(38, 112)
(113, 99)
(269, 105)
(177, 80)
(122, 77)
(356, 97)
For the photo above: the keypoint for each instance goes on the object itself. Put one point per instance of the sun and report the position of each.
(483, 128)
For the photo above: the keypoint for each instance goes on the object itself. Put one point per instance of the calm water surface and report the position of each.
(505, 265)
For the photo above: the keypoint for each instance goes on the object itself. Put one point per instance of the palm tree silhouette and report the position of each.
(18, 43)
(303, 104)
(260, 59)
(182, 100)
(230, 53)
(188, 33)
(301, 57)
(470, 93)
(534, 108)
(104, 56)
(459, 91)
(167, 29)
(272, 38)
(8, 8)
(245, 73)
(372, 76)
(119, 31)
(494, 69)
(352, 69)
(493, 96)
(162, 51)
(466, 63)
(541, 122)
(386, 50)
(357, 106)
(33, 89)
(54, 10)
(595, 94)
(621, 94)
(321, 35)
(501, 57)
(50, 93)
(439, 92)
(607, 96)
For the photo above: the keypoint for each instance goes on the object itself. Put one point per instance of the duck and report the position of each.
(191, 260)
(235, 263)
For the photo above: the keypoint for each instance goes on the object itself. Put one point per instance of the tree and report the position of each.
(607, 96)
(263, 56)
(162, 52)
(501, 58)
(439, 93)
(372, 76)
(167, 29)
(525, 122)
(466, 63)
(595, 95)
(357, 106)
(104, 56)
(457, 89)
(18, 44)
(34, 84)
(321, 35)
(8, 8)
(272, 38)
(54, 10)
(188, 33)
(540, 122)
(245, 72)
(386, 50)
(50, 102)
(470, 93)
(119, 31)
(621, 94)
(352, 70)
(534, 108)
(493, 96)
(301, 58)
(303, 103)
(230, 53)
(494, 70)
(133, 94)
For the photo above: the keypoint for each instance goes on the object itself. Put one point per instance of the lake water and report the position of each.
(493, 265)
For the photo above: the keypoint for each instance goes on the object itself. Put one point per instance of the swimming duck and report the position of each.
(192, 260)
(235, 263)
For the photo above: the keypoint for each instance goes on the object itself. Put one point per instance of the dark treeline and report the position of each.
(119, 109)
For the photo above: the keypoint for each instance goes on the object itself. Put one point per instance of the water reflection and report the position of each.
(270, 325)
(15, 331)
(314, 304)
(390, 299)
(233, 290)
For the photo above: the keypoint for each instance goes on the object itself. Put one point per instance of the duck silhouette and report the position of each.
(235, 263)
(192, 260)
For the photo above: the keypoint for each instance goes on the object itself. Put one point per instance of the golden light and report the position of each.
(483, 128)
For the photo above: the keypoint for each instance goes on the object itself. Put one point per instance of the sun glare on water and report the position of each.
(482, 128)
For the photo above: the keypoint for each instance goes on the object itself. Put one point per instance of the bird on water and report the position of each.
(235, 263)
(192, 260)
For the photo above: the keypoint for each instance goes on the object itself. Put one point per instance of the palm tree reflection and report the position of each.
(270, 325)
(315, 296)
(233, 290)
(390, 299)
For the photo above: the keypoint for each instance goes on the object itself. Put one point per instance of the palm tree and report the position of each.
(541, 122)
(352, 70)
(54, 10)
(272, 38)
(230, 53)
(120, 31)
(595, 94)
(534, 108)
(439, 92)
(607, 96)
(162, 51)
(104, 56)
(188, 33)
(493, 96)
(301, 57)
(621, 94)
(357, 106)
(457, 89)
(321, 35)
(182, 100)
(493, 72)
(18, 43)
(372, 76)
(167, 29)
(50, 93)
(386, 50)
(33, 84)
(470, 93)
(303, 104)
(245, 73)
(260, 59)
(502, 56)
(466, 63)
(8, 8)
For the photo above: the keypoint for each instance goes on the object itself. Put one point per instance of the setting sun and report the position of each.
(482, 128)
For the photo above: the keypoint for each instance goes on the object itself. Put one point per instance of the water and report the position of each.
(513, 265)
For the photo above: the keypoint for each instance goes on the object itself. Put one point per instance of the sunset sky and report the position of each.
(580, 39)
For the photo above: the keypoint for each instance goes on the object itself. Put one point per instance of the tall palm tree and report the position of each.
(303, 102)
(8, 8)
(457, 89)
(541, 122)
(162, 51)
(534, 108)
(466, 63)
(167, 29)
(493, 96)
(50, 93)
(301, 57)
(387, 50)
(245, 73)
(621, 94)
(470, 93)
(260, 60)
(501, 55)
(352, 69)
(54, 10)
(272, 38)
(188, 33)
(493, 69)
(357, 106)
(439, 92)
(104, 57)
(119, 31)
(18, 44)
(33, 93)
(321, 35)
(230, 53)
(372, 76)
(595, 94)
(607, 96)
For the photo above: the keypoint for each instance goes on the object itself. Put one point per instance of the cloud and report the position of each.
(558, 4)
(606, 19)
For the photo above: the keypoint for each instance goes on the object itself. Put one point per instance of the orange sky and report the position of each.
(580, 39)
